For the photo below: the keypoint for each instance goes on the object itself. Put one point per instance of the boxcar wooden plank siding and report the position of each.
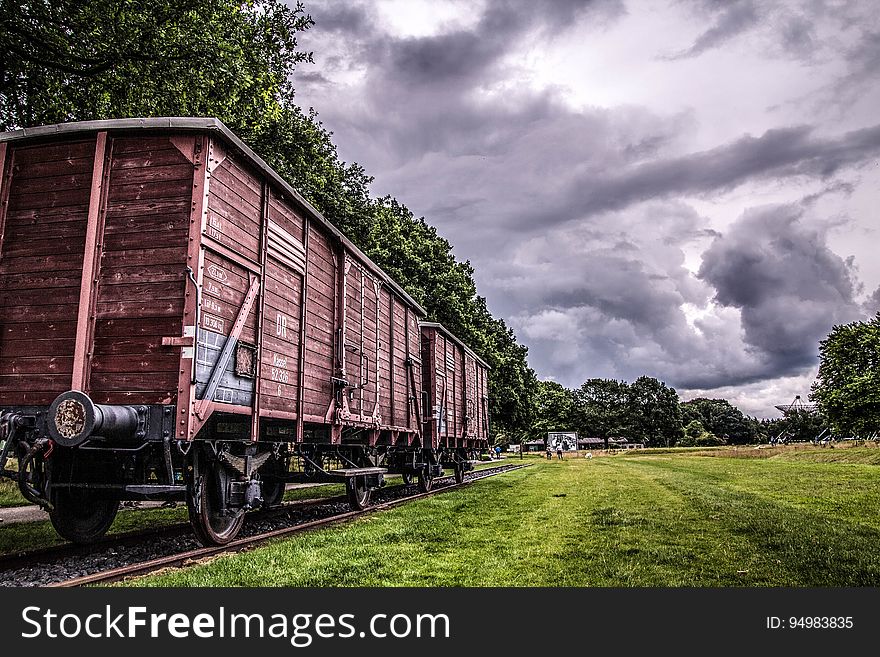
(172, 201)
(133, 276)
(38, 185)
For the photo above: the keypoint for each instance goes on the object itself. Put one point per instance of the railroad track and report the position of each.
(16, 560)
(72, 566)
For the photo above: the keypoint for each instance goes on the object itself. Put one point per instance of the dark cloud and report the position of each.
(787, 283)
(778, 153)
(733, 19)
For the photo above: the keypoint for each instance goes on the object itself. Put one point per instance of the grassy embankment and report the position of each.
(760, 517)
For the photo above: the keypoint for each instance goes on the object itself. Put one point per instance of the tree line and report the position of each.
(645, 411)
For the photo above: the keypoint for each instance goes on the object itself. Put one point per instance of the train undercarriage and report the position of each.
(79, 460)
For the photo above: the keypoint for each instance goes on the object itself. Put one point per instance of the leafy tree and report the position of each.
(720, 417)
(68, 60)
(600, 409)
(554, 406)
(847, 390)
(654, 412)
(692, 432)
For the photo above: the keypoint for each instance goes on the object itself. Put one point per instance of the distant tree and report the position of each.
(692, 432)
(720, 417)
(847, 390)
(600, 409)
(554, 409)
(654, 412)
(798, 426)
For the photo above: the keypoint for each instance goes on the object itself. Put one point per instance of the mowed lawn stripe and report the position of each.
(783, 535)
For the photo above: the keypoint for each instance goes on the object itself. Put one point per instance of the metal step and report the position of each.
(356, 472)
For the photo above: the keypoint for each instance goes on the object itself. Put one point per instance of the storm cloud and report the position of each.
(708, 230)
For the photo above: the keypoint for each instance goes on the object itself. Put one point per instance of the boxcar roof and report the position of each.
(203, 124)
(448, 333)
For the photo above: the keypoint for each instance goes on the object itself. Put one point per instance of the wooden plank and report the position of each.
(60, 198)
(23, 365)
(60, 232)
(164, 382)
(59, 151)
(71, 166)
(137, 208)
(140, 292)
(142, 144)
(152, 363)
(150, 190)
(47, 313)
(139, 345)
(48, 384)
(135, 175)
(49, 295)
(36, 348)
(149, 159)
(131, 241)
(36, 330)
(116, 327)
(158, 273)
(48, 216)
(147, 223)
(146, 256)
(56, 183)
(31, 248)
(139, 308)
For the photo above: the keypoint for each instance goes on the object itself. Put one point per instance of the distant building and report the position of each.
(534, 446)
(623, 443)
(590, 442)
(568, 440)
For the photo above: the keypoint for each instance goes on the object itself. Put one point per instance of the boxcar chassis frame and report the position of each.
(78, 458)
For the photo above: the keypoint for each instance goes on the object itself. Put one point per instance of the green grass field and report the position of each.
(773, 517)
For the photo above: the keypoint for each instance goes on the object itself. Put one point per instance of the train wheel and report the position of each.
(273, 493)
(358, 493)
(459, 473)
(204, 494)
(426, 480)
(81, 517)
(273, 490)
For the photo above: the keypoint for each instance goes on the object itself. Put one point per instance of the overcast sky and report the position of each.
(684, 189)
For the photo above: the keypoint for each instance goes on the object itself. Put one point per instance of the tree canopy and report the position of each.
(847, 390)
(721, 418)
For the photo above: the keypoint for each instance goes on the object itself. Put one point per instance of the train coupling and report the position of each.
(13, 429)
(74, 418)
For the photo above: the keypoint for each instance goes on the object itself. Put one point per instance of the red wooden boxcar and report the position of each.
(179, 323)
(456, 382)
(456, 387)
